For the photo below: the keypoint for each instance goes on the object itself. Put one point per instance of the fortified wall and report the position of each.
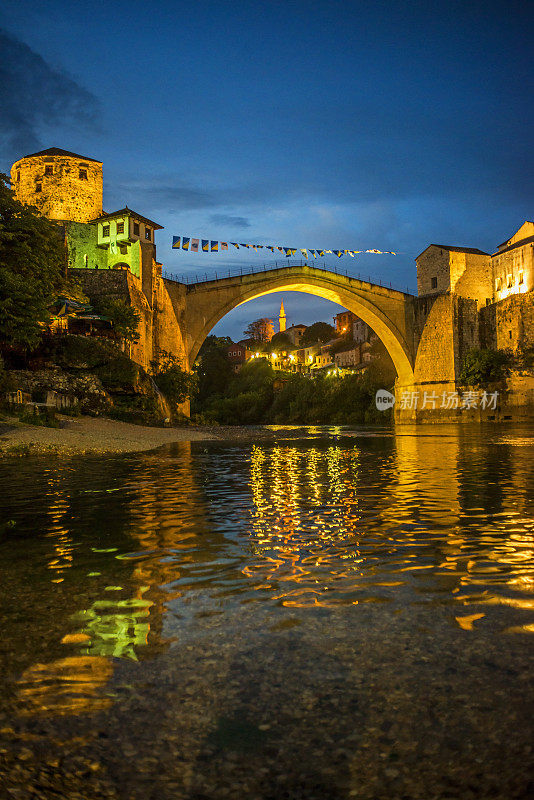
(471, 299)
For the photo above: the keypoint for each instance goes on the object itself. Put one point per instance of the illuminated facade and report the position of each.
(477, 275)
(68, 188)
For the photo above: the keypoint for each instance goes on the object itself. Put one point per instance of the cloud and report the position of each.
(230, 220)
(33, 94)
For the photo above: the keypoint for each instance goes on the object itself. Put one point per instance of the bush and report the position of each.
(45, 419)
(484, 366)
(175, 383)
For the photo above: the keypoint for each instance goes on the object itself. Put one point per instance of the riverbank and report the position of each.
(90, 435)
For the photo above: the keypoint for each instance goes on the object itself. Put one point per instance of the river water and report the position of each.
(304, 613)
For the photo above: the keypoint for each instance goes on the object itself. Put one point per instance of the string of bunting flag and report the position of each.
(214, 246)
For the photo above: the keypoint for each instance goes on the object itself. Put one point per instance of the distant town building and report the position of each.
(295, 334)
(237, 355)
(343, 322)
(348, 357)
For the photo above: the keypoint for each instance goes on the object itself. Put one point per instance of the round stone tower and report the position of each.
(63, 185)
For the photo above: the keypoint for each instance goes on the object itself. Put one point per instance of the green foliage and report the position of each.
(83, 352)
(175, 383)
(281, 341)
(214, 372)
(481, 367)
(45, 419)
(32, 270)
(318, 332)
(124, 317)
(252, 396)
(140, 410)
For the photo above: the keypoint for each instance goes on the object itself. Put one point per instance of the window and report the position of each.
(521, 278)
(434, 283)
(136, 229)
(105, 230)
(509, 282)
(18, 174)
(82, 174)
(147, 233)
(49, 169)
(120, 227)
(498, 284)
(38, 187)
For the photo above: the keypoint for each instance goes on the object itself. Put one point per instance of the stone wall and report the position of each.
(433, 263)
(508, 324)
(471, 275)
(62, 195)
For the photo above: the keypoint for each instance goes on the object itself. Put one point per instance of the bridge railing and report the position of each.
(218, 275)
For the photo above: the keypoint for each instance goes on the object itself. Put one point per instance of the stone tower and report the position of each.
(282, 318)
(62, 185)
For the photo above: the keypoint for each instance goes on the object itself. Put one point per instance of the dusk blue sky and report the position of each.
(359, 125)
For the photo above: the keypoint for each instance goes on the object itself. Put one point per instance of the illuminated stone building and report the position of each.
(60, 184)
(477, 275)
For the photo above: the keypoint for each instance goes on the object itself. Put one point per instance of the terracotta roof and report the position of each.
(456, 249)
(122, 212)
(56, 151)
(520, 243)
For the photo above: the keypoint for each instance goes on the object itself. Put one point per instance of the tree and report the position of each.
(124, 317)
(318, 332)
(176, 383)
(32, 270)
(213, 369)
(261, 330)
(281, 341)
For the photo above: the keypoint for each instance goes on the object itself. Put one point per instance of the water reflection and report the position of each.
(115, 558)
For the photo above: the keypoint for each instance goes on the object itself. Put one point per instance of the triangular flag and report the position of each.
(270, 248)
(224, 245)
(194, 245)
(314, 254)
(185, 243)
(338, 253)
(214, 247)
(321, 252)
(304, 252)
(373, 251)
(206, 245)
(235, 244)
(176, 242)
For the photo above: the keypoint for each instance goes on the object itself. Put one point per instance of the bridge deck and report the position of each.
(277, 268)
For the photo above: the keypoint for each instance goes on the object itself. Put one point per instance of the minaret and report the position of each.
(282, 318)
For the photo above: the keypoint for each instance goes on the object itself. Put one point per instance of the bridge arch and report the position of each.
(386, 311)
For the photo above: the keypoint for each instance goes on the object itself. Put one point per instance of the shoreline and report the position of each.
(91, 435)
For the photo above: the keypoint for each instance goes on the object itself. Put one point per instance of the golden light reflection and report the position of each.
(304, 512)
(68, 686)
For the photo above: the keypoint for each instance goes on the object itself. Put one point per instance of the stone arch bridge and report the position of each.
(388, 312)
(426, 337)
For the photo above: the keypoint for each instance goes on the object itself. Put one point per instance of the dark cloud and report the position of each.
(230, 220)
(34, 94)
